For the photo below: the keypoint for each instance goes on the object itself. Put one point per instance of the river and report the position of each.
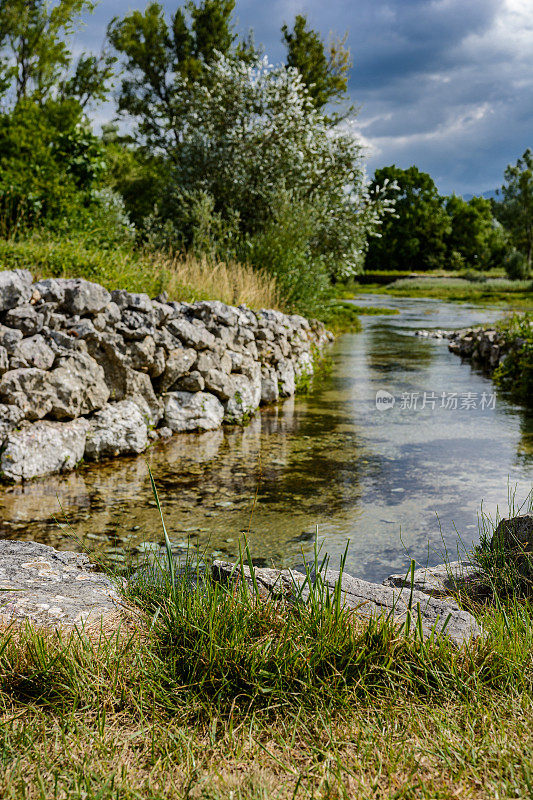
(392, 483)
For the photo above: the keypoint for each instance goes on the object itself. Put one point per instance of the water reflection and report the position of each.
(392, 482)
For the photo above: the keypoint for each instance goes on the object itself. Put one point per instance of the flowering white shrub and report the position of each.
(248, 133)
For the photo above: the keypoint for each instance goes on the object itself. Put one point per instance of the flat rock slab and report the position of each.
(367, 599)
(52, 588)
(440, 580)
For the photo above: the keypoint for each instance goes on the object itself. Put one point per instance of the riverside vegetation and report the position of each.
(209, 692)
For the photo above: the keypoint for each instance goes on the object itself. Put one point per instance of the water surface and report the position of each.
(394, 483)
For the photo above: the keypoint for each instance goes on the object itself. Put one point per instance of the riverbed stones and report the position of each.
(68, 347)
(117, 429)
(42, 448)
(193, 411)
(55, 589)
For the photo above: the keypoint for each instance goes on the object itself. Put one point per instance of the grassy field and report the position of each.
(494, 291)
(213, 693)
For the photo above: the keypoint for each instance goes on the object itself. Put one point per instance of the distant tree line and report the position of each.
(429, 231)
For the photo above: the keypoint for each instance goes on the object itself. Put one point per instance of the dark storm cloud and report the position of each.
(444, 84)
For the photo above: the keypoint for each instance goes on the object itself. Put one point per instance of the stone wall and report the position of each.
(89, 374)
(486, 347)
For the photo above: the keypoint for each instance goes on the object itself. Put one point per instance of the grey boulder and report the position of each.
(190, 411)
(117, 429)
(83, 297)
(35, 352)
(15, 288)
(50, 588)
(440, 580)
(26, 319)
(74, 388)
(43, 448)
(366, 599)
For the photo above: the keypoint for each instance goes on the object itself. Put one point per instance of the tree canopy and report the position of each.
(515, 210)
(324, 68)
(414, 237)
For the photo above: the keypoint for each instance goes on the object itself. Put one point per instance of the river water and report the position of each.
(391, 483)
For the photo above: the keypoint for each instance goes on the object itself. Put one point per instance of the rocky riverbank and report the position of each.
(91, 374)
(53, 588)
(486, 347)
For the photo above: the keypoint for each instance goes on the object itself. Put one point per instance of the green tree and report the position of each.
(475, 240)
(515, 210)
(158, 54)
(415, 236)
(50, 161)
(324, 67)
(36, 60)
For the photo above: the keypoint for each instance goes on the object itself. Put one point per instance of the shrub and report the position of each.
(516, 266)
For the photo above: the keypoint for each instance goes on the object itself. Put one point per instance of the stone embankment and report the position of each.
(485, 347)
(91, 374)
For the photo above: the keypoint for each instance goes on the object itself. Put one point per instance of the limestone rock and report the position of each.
(179, 362)
(83, 297)
(367, 599)
(10, 337)
(74, 388)
(192, 334)
(42, 448)
(52, 588)
(51, 290)
(117, 429)
(78, 386)
(35, 352)
(192, 382)
(188, 411)
(138, 302)
(15, 288)
(269, 385)
(514, 536)
(208, 361)
(286, 381)
(439, 580)
(4, 360)
(26, 319)
(244, 400)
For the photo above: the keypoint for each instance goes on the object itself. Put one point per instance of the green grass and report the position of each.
(497, 291)
(341, 317)
(216, 693)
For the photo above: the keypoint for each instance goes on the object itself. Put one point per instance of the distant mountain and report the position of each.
(490, 195)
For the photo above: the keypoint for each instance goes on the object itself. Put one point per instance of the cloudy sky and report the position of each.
(443, 84)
